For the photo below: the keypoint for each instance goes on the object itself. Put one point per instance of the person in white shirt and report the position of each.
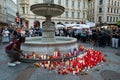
(5, 34)
(23, 32)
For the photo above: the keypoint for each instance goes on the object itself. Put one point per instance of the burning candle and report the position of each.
(34, 56)
(27, 56)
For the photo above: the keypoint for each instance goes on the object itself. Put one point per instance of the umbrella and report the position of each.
(84, 26)
(59, 26)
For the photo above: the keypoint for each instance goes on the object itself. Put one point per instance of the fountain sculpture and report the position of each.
(48, 42)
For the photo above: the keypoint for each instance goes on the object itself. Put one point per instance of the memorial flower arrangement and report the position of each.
(74, 62)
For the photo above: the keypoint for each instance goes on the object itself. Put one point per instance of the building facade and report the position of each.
(75, 11)
(2, 13)
(104, 11)
(11, 10)
(8, 11)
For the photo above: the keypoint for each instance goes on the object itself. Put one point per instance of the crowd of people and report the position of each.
(9, 34)
(99, 37)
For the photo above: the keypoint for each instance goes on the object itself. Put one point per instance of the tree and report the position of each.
(118, 23)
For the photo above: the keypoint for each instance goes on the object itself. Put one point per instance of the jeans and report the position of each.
(115, 42)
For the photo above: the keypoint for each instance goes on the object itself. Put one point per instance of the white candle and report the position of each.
(34, 56)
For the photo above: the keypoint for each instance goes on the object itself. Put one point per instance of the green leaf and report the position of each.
(118, 23)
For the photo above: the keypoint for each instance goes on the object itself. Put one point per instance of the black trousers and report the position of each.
(13, 55)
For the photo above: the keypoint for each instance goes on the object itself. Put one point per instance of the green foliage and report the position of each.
(118, 23)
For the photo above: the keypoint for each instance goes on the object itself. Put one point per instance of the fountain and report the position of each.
(48, 43)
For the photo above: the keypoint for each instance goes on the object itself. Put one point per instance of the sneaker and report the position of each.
(11, 64)
(17, 62)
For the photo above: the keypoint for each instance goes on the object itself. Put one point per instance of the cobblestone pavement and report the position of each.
(110, 75)
(106, 71)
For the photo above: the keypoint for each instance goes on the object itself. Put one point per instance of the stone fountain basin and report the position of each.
(46, 9)
(64, 44)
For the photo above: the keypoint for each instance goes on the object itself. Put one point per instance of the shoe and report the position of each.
(17, 62)
(11, 64)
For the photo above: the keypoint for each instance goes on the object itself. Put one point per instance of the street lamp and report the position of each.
(18, 19)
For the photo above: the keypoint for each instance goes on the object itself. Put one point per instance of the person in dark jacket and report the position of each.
(14, 51)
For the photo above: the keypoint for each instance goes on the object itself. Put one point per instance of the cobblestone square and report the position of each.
(108, 71)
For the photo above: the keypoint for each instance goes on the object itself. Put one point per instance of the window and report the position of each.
(100, 19)
(23, 9)
(52, 1)
(84, 5)
(59, 2)
(108, 18)
(117, 10)
(113, 19)
(111, 10)
(72, 14)
(109, 2)
(100, 10)
(101, 2)
(27, 10)
(73, 4)
(108, 9)
(115, 3)
(93, 11)
(112, 2)
(0, 6)
(48, 1)
(92, 19)
(67, 3)
(116, 18)
(79, 4)
(66, 14)
(93, 4)
(114, 10)
(83, 15)
(90, 6)
(78, 15)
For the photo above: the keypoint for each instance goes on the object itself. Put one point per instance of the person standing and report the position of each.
(5, 34)
(13, 32)
(115, 38)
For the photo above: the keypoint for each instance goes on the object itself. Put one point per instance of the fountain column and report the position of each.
(48, 30)
(48, 43)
